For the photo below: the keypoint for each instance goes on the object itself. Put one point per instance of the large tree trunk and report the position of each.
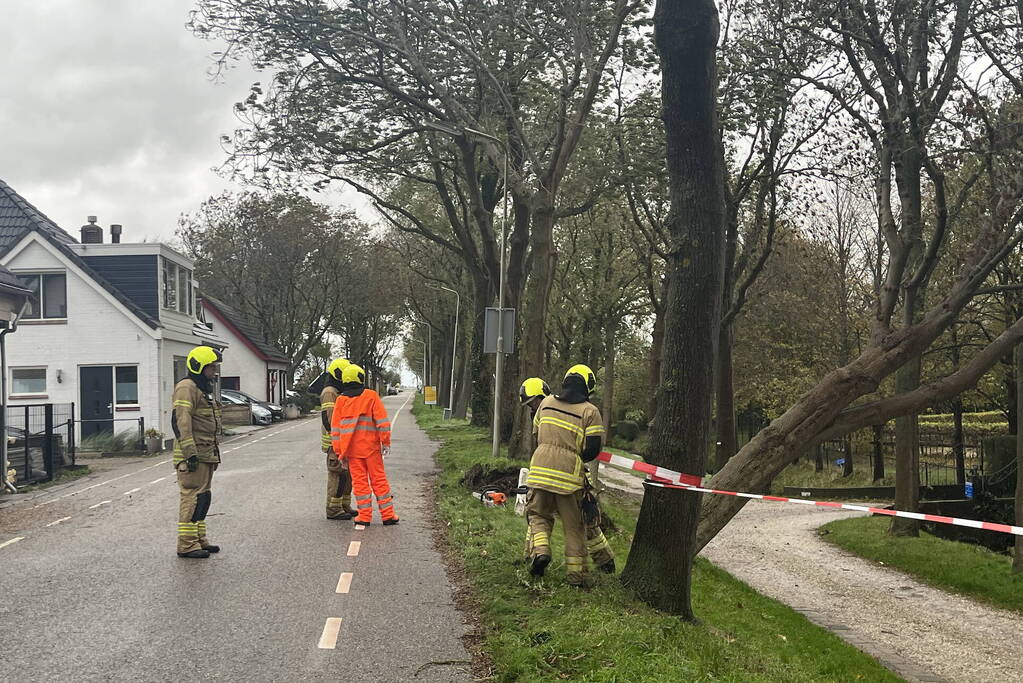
(463, 384)
(656, 351)
(727, 443)
(907, 455)
(479, 364)
(444, 385)
(878, 431)
(958, 442)
(660, 564)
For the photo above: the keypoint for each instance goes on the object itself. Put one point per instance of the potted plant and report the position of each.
(154, 440)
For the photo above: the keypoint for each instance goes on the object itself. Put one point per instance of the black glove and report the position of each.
(590, 507)
(192, 463)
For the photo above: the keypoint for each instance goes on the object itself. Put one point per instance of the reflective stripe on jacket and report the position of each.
(328, 397)
(359, 426)
(196, 423)
(561, 429)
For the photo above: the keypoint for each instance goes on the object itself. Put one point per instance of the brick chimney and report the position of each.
(92, 233)
(115, 233)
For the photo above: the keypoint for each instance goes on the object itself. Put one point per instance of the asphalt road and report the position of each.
(93, 590)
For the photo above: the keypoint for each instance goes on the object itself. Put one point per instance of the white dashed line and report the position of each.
(344, 584)
(156, 481)
(21, 538)
(128, 493)
(331, 629)
(394, 420)
(353, 548)
(102, 483)
(58, 521)
(360, 527)
(102, 502)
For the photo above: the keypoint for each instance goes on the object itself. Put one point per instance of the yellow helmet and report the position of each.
(532, 388)
(586, 374)
(200, 357)
(353, 373)
(336, 367)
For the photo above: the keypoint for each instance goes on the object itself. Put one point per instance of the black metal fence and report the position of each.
(938, 464)
(40, 440)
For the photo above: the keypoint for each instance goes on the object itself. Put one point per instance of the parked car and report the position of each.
(275, 410)
(260, 415)
(392, 390)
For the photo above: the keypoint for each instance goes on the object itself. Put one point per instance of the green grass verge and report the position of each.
(550, 631)
(960, 567)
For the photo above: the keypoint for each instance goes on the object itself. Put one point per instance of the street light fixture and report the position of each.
(499, 365)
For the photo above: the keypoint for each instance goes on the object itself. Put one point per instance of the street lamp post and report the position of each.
(454, 347)
(499, 364)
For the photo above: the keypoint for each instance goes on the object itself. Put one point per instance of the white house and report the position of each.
(112, 324)
(254, 364)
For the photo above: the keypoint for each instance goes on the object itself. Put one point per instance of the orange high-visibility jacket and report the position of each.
(359, 426)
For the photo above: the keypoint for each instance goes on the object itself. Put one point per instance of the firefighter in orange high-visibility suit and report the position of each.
(360, 432)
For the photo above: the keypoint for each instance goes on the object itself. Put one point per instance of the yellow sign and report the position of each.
(430, 396)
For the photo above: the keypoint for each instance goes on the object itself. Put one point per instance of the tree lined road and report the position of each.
(101, 595)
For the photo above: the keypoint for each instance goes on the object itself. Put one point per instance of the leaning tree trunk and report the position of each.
(660, 564)
(728, 442)
(1017, 556)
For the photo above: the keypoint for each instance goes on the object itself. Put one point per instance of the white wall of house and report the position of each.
(98, 331)
(240, 360)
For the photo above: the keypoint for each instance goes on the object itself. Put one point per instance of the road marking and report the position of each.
(102, 483)
(331, 629)
(102, 502)
(353, 548)
(394, 420)
(360, 527)
(156, 481)
(128, 493)
(344, 584)
(58, 521)
(20, 538)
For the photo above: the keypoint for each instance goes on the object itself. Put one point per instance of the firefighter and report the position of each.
(569, 432)
(339, 479)
(197, 428)
(531, 393)
(361, 433)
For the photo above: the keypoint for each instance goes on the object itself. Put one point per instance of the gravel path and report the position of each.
(922, 633)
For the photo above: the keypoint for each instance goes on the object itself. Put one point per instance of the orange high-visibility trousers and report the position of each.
(369, 479)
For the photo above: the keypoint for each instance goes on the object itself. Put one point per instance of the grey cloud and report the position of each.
(107, 107)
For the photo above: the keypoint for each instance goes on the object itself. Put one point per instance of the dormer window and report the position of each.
(50, 296)
(176, 287)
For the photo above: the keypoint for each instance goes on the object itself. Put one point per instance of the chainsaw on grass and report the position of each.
(491, 496)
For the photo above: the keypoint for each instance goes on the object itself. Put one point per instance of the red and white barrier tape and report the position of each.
(665, 478)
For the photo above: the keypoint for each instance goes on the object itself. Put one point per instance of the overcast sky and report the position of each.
(107, 109)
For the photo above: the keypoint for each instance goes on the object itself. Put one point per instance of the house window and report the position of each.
(126, 381)
(230, 383)
(180, 368)
(177, 287)
(50, 296)
(28, 381)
